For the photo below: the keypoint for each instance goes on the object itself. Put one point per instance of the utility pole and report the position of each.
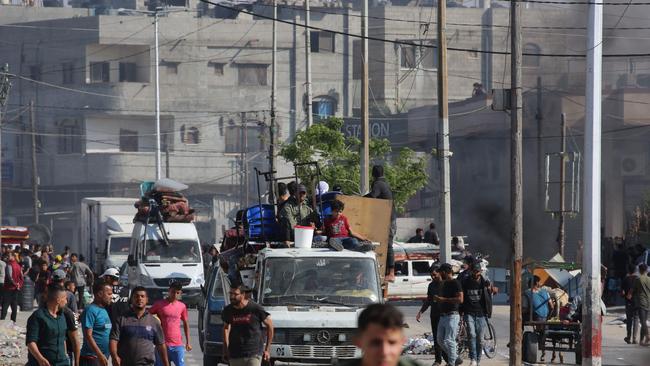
(591, 316)
(35, 178)
(5, 85)
(516, 177)
(310, 117)
(242, 158)
(563, 157)
(539, 116)
(273, 103)
(157, 61)
(443, 121)
(365, 118)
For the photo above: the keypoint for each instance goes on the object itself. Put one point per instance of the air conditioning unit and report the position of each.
(633, 165)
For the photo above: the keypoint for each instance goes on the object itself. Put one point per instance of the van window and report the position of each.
(120, 246)
(401, 269)
(177, 251)
(420, 268)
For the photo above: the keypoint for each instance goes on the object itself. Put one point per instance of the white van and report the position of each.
(412, 278)
(156, 260)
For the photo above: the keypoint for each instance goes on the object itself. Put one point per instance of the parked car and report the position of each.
(412, 278)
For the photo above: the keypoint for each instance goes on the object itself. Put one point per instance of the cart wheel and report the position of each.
(529, 347)
(578, 353)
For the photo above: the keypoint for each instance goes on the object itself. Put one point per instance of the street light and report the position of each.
(155, 14)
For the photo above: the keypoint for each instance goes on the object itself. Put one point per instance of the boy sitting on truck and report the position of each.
(340, 234)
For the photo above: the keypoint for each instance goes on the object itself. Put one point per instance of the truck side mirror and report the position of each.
(131, 261)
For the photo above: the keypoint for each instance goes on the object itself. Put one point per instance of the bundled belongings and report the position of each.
(172, 205)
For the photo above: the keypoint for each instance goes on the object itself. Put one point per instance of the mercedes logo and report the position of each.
(323, 337)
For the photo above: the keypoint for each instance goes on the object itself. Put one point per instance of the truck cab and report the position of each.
(156, 260)
(314, 297)
(118, 242)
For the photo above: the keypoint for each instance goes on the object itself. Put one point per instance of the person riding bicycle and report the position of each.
(477, 306)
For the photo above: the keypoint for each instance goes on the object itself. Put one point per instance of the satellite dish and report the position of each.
(39, 234)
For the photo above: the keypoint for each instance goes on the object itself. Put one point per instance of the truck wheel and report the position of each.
(529, 347)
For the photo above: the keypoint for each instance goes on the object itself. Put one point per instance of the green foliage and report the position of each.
(339, 160)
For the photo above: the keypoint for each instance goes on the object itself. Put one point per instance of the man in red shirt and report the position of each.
(171, 311)
(12, 286)
(339, 232)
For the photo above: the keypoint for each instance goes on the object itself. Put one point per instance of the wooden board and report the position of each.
(371, 218)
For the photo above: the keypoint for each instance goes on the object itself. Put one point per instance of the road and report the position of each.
(615, 351)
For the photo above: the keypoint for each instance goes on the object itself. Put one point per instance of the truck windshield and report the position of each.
(178, 251)
(310, 281)
(120, 246)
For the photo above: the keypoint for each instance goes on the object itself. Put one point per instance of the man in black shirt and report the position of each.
(431, 236)
(474, 293)
(449, 300)
(243, 341)
(432, 291)
(631, 313)
(381, 190)
(418, 238)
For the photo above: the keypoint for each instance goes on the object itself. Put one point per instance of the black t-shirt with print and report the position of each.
(472, 293)
(449, 289)
(246, 338)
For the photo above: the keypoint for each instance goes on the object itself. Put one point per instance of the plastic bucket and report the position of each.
(303, 236)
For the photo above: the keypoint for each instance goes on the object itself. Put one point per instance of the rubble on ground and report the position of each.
(419, 345)
(13, 350)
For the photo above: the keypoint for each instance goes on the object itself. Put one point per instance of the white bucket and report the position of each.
(303, 236)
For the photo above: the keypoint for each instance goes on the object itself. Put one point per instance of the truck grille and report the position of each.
(165, 282)
(323, 351)
(319, 337)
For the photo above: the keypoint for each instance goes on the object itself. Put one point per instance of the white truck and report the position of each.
(314, 297)
(106, 225)
(157, 259)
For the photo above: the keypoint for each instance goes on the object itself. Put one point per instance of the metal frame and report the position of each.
(574, 159)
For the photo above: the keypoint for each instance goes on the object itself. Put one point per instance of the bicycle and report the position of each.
(489, 340)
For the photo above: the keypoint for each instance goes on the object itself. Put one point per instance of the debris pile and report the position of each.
(419, 345)
(13, 350)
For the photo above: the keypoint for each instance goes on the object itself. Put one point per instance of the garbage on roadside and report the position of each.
(12, 344)
(419, 345)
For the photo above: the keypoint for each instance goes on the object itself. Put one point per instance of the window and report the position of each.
(69, 137)
(99, 72)
(68, 72)
(323, 107)
(401, 269)
(218, 67)
(128, 72)
(531, 55)
(128, 140)
(420, 268)
(252, 74)
(415, 56)
(192, 137)
(321, 42)
(356, 60)
(171, 67)
(254, 138)
(407, 54)
(35, 72)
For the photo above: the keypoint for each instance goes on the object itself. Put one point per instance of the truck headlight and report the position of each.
(215, 319)
(200, 280)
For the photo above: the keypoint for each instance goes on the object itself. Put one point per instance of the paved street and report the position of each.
(615, 351)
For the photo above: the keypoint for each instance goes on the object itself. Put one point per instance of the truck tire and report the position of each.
(529, 347)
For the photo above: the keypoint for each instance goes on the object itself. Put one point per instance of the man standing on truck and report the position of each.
(432, 291)
(243, 341)
(449, 300)
(171, 312)
(380, 337)
(381, 190)
(295, 211)
(82, 276)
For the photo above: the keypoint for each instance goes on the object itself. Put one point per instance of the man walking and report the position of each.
(474, 310)
(12, 286)
(47, 330)
(432, 291)
(380, 336)
(137, 336)
(243, 341)
(449, 300)
(631, 313)
(171, 312)
(96, 327)
(81, 275)
(641, 293)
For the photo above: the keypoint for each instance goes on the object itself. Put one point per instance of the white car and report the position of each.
(412, 278)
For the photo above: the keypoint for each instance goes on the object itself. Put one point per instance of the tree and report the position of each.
(339, 159)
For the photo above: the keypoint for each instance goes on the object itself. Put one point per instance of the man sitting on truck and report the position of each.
(339, 232)
(296, 212)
